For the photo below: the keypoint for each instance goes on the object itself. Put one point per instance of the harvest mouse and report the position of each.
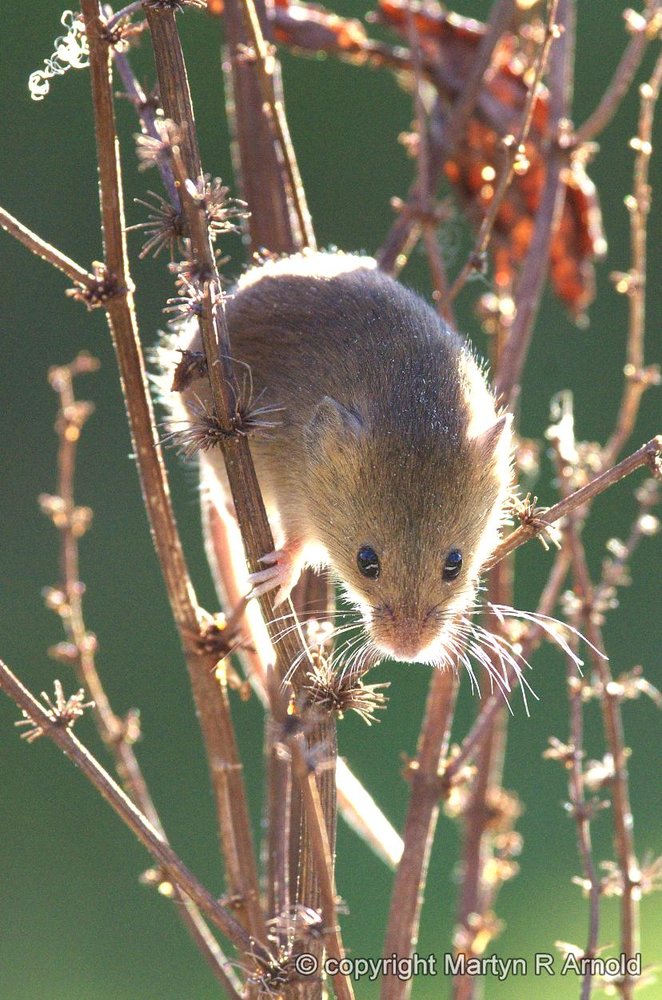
(387, 460)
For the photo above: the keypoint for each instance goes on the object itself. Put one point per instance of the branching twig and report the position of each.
(648, 455)
(637, 377)
(130, 814)
(116, 733)
(639, 25)
(47, 252)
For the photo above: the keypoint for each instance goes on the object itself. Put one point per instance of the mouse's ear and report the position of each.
(332, 424)
(496, 441)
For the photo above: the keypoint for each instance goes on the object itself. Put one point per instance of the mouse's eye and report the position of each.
(368, 562)
(453, 565)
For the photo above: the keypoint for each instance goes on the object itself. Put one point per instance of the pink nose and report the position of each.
(403, 639)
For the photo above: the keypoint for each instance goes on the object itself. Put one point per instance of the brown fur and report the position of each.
(388, 436)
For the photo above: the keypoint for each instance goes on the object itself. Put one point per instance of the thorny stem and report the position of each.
(420, 825)
(47, 252)
(150, 837)
(637, 378)
(648, 455)
(113, 731)
(210, 697)
(624, 74)
(531, 281)
(514, 153)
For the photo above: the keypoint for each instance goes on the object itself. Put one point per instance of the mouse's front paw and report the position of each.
(282, 572)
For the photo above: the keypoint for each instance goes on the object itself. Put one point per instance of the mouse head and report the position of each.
(408, 517)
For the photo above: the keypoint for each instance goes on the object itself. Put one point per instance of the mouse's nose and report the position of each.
(403, 638)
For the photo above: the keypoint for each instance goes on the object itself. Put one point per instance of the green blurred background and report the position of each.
(74, 922)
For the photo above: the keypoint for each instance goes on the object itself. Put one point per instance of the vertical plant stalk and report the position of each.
(420, 825)
(210, 697)
(478, 891)
(276, 221)
(637, 377)
(244, 487)
(581, 812)
(426, 207)
(532, 278)
(613, 725)
(114, 732)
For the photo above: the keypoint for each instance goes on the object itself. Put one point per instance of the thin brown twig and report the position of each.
(637, 377)
(115, 732)
(530, 284)
(514, 150)
(171, 864)
(613, 724)
(581, 813)
(210, 697)
(639, 25)
(648, 455)
(47, 252)
(420, 825)
(428, 226)
(400, 241)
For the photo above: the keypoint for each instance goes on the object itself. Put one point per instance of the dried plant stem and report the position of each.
(264, 64)
(244, 487)
(514, 152)
(171, 864)
(259, 168)
(613, 724)
(582, 816)
(324, 861)
(637, 378)
(210, 697)
(648, 455)
(478, 889)
(420, 825)
(404, 233)
(623, 75)
(426, 209)
(47, 252)
(114, 731)
(531, 281)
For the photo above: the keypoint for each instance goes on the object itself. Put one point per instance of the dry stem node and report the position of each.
(63, 712)
(100, 291)
(344, 691)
